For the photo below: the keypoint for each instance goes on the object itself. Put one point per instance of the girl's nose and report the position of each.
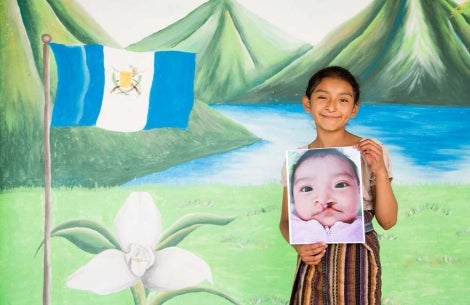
(331, 105)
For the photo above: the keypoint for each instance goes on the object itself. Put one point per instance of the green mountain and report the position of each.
(82, 156)
(59, 19)
(20, 88)
(236, 49)
(404, 51)
(95, 157)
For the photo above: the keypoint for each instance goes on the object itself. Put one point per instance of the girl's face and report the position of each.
(331, 104)
(326, 189)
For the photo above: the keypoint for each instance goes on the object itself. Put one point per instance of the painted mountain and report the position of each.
(236, 50)
(82, 156)
(403, 51)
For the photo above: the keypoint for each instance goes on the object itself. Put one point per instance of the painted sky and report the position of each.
(309, 20)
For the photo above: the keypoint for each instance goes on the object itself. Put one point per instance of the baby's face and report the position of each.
(326, 189)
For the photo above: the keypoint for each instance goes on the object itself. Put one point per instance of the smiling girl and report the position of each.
(343, 273)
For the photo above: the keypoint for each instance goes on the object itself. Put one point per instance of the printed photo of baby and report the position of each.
(325, 195)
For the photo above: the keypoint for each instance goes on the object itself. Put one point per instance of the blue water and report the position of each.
(434, 136)
(427, 144)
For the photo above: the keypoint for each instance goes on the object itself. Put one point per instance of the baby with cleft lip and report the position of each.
(325, 195)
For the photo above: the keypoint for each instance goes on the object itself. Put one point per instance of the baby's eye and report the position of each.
(306, 189)
(341, 185)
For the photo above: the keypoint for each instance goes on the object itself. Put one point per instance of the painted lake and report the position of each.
(427, 144)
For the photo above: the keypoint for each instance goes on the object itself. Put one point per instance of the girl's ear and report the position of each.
(355, 110)
(306, 103)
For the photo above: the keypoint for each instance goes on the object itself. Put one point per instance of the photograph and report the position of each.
(325, 197)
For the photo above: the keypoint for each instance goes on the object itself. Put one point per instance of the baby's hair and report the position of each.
(334, 72)
(322, 152)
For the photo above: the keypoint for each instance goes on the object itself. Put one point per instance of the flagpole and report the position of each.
(46, 298)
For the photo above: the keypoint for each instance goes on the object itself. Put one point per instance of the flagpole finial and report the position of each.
(46, 38)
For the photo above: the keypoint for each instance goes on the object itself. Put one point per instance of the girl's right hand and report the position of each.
(311, 254)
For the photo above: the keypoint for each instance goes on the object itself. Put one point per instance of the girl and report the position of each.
(343, 273)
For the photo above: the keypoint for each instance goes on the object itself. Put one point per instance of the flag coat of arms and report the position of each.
(121, 90)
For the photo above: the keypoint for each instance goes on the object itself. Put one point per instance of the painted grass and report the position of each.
(426, 258)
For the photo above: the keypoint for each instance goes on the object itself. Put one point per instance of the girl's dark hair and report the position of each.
(322, 152)
(333, 72)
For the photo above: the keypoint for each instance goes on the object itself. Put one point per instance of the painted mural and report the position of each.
(190, 215)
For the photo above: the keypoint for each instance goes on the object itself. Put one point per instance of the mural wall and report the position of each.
(190, 215)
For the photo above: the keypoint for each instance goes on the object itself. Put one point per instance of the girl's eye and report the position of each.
(320, 97)
(341, 185)
(343, 100)
(306, 189)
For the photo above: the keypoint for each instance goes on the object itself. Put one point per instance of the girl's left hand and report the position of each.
(372, 152)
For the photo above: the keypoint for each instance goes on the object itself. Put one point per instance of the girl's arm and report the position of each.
(386, 207)
(284, 221)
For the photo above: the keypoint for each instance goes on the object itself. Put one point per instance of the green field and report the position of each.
(425, 257)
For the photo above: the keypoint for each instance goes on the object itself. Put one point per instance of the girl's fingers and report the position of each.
(370, 149)
(312, 254)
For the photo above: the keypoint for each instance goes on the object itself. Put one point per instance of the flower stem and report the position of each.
(138, 293)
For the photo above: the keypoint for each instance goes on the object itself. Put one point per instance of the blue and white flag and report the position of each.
(121, 90)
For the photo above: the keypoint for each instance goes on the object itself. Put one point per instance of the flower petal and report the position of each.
(138, 221)
(106, 273)
(176, 268)
(139, 259)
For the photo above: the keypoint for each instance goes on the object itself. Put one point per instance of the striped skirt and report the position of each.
(348, 274)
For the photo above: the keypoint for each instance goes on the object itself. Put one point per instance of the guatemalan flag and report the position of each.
(121, 90)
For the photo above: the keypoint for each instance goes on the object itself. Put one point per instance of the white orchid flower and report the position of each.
(138, 230)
